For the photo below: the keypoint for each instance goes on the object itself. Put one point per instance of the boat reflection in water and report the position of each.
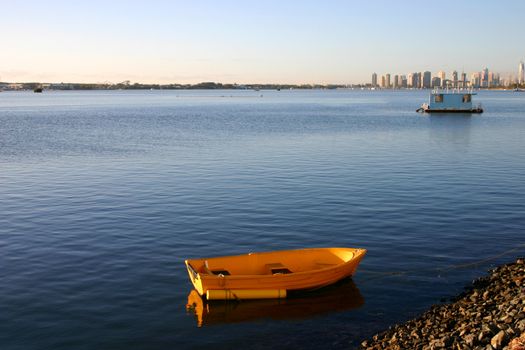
(341, 296)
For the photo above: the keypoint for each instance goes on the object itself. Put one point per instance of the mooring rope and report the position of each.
(383, 274)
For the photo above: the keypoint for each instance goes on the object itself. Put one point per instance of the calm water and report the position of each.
(104, 194)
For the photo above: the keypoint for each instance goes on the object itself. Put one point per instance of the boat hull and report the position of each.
(473, 110)
(303, 305)
(309, 269)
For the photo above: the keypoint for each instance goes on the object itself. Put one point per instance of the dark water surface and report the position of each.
(104, 194)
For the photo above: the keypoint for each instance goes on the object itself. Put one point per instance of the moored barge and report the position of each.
(454, 101)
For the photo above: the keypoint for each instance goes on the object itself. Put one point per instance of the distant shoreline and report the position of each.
(9, 86)
(137, 86)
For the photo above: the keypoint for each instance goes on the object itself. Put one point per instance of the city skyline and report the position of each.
(484, 78)
(237, 42)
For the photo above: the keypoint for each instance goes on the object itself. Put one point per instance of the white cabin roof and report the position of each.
(453, 92)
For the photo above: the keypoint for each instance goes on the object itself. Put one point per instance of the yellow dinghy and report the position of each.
(270, 275)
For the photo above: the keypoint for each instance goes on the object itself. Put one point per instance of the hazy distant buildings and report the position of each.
(424, 80)
(521, 73)
(374, 80)
(508, 81)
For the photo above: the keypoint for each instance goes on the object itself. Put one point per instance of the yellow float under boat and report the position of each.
(341, 296)
(270, 275)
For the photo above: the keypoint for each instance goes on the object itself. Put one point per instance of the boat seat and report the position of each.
(277, 268)
(216, 271)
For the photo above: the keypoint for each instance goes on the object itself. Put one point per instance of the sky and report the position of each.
(248, 41)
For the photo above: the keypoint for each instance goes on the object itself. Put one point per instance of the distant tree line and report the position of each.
(126, 85)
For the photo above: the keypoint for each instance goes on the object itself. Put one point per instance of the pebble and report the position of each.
(497, 340)
(490, 314)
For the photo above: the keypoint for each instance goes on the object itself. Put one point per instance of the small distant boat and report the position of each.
(38, 90)
(455, 101)
(270, 275)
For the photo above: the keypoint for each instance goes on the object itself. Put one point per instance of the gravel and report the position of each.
(489, 315)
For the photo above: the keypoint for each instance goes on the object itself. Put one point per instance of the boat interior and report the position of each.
(272, 263)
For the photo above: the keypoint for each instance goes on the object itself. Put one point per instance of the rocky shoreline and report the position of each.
(490, 314)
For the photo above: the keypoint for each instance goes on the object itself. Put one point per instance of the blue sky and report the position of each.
(254, 41)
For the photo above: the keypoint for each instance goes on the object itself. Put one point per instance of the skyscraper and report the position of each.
(403, 81)
(485, 78)
(374, 79)
(387, 80)
(463, 80)
(396, 82)
(427, 80)
(493, 79)
(521, 73)
(441, 75)
(455, 79)
(475, 80)
(382, 81)
(417, 80)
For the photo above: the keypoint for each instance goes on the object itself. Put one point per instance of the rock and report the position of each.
(393, 339)
(469, 339)
(437, 344)
(517, 343)
(497, 340)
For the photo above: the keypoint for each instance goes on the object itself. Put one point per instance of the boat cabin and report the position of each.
(441, 100)
(451, 101)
